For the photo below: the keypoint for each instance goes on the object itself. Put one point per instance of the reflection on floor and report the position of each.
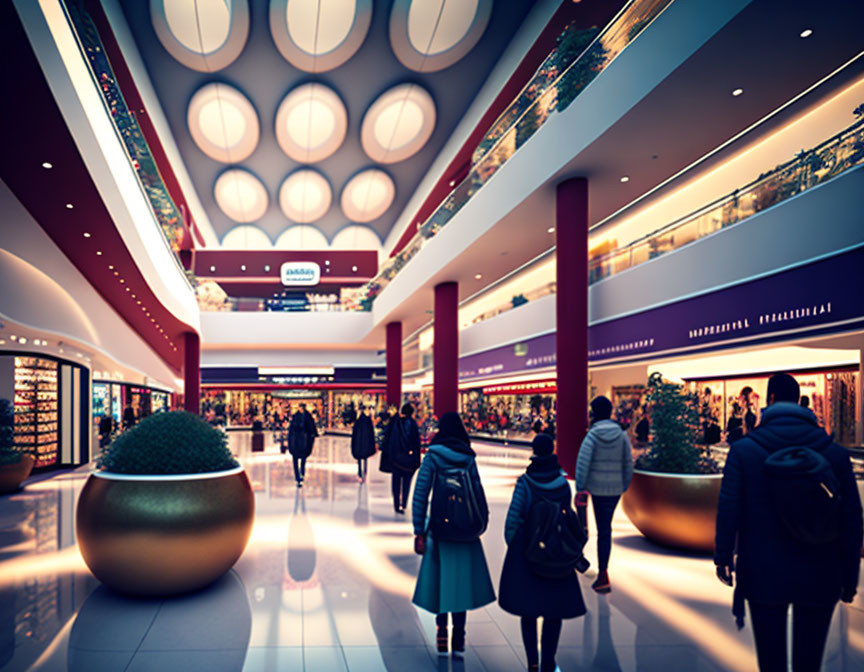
(325, 584)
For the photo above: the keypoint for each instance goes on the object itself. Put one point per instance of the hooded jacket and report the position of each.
(543, 475)
(772, 567)
(605, 463)
(439, 457)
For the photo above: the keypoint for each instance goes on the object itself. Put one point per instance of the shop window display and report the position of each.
(36, 409)
(510, 412)
(423, 413)
(344, 407)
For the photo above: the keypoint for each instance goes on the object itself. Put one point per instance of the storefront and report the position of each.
(238, 408)
(113, 399)
(343, 406)
(509, 411)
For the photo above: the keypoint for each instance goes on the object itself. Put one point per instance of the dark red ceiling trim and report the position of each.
(126, 82)
(585, 13)
(34, 131)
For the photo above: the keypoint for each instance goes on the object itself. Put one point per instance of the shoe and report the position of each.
(534, 668)
(441, 640)
(300, 484)
(602, 585)
(457, 644)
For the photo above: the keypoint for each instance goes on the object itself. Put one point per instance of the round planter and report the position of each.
(166, 534)
(678, 510)
(13, 475)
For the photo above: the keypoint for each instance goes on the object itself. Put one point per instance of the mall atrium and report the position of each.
(505, 208)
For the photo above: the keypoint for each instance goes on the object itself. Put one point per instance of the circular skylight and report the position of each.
(398, 124)
(223, 123)
(240, 195)
(356, 237)
(319, 35)
(302, 237)
(246, 238)
(205, 35)
(367, 195)
(305, 196)
(311, 123)
(430, 35)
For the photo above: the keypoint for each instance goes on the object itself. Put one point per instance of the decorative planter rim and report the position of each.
(112, 476)
(670, 475)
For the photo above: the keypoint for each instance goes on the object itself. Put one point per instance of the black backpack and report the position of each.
(805, 492)
(459, 511)
(554, 537)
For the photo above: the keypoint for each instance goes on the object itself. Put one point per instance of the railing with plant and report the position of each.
(166, 212)
(808, 169)
(578, 57)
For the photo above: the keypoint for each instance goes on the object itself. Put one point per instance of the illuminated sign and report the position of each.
(300, 273)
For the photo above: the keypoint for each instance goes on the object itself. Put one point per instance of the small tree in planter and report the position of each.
(15, 466)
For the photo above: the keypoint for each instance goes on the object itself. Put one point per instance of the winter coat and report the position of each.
(385, 423)
(362, 438)
(403, 442)
(605, 463)
(772, 567)
(301, 434)
(453, 576)
(522, 592)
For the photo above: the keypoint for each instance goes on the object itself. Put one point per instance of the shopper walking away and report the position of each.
(382, 435)
(790, 499)
(604, 469)
(301, 437)
(535, 584)
(403, 445)
(362, 442)
(453, 575)
(106, 427)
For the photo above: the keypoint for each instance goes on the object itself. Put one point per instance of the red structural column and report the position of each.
(394, 364)
(445, 370)
(571, 240)
(192, 372)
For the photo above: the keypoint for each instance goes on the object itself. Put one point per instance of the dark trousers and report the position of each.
(401, 486)
(809, 631)
(459, 619)
(362, 469)
(604, 509)
(299, 468)
(548, 642)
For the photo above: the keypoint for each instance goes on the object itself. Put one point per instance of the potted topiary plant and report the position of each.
(15, 466)
(167, 510)
(672, 498)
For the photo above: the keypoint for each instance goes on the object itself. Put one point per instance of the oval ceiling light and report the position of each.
(305, 196)
(241, 195)
(319, 35)
(245, 238)
(398, 124)
(430, 35)
(205, 35)
(311, 123)
(223, 123)
(302, 237)
(367, 195)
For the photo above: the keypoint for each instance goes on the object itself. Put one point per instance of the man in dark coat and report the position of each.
(403, 446)
(362, 442)
(301, 439)
(774, 568)
(106, 426)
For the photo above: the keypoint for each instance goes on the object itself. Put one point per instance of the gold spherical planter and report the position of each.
(13, 475)
(162, 535)
(678, 510)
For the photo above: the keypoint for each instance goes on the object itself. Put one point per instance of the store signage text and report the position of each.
(300, 273)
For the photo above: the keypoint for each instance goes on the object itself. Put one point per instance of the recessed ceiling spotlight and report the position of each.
(267, 268)
(69, 206)
(243, 268)
(452, 183)
(110, 267)
(737, 92)
(22, 340)
(326, 262)
(122, 281)
(806, 33)
(14, 337)
(354, 269)
(98, 253)
(86, 235)
(551, 229)
(478, 276)
(138, 302)
(47, 165)
(625, 178)
(212, 269)
(128, 290)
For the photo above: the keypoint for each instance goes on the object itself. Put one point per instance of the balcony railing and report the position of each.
(809, 168)
(165, 211)
(579, 56)
(212, 299)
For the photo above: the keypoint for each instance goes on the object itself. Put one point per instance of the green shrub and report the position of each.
(676, 428)
(176, 442)
(8, 453)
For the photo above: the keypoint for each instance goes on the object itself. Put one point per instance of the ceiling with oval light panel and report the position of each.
(302, 237)
(323, 87)
(205, 35)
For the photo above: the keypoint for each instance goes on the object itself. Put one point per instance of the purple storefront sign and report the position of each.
(536, 353)
(824, 296)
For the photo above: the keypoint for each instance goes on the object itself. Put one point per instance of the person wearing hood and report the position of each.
(522, 592)
(604, 469)
(801, 558)
(453, 577)
(362, 442)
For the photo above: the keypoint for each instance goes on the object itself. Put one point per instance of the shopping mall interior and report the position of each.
(245, 208)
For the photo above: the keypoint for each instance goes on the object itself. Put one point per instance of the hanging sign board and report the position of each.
(300, 273)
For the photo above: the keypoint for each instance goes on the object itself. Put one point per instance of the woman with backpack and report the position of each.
(362, 442)
(530, 587)
(453, 575)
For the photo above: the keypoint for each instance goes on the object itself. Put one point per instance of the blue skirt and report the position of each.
(453, 577)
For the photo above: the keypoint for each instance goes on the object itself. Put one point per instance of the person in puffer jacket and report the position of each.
(604, 468)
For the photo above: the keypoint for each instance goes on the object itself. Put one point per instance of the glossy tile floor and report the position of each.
(325, 584)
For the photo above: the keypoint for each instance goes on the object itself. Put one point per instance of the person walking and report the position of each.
(604, 469)
(403, 445)
(523, 590)
(301, 437)
(789, 498)
(453, 577)
(382, 434)
(362, 442)
(106, 427)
